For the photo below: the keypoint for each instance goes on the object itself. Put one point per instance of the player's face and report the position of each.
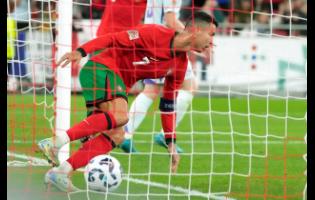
(204, 38)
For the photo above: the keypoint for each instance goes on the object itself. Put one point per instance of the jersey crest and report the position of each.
(133, 34)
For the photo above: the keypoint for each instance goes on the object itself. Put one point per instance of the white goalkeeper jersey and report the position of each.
(156, 10)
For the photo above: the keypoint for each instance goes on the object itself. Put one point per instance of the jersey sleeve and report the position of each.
(172, 6)
(172, 83)
(175, 78)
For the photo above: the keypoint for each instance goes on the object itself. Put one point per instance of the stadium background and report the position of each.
(254, 87)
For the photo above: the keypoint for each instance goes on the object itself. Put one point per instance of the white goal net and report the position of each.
(243, 136)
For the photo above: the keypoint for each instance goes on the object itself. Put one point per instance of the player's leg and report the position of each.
(140, 106)
(101, 144)
(91, 125)
(184, 99)
(111, 114)
(97, 93)
(90, 111)
(138, 111)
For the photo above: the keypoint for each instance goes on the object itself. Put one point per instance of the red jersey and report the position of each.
(141, 53)
(120, 15)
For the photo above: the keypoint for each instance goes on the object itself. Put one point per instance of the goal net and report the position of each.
(243, 136)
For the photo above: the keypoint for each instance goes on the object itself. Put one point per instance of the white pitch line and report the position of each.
(41, 162)
(30, 160)
(179, 189)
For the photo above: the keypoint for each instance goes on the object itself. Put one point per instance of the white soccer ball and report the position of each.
(103, 173)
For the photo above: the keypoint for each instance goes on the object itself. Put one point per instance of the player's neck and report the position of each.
(182, 41)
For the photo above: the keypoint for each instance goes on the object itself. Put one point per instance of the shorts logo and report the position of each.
(119, 89)
(133, 34)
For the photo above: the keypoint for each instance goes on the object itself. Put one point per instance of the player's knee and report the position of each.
(121, 119)
(119, 139)
(125, 120)
(117, 136)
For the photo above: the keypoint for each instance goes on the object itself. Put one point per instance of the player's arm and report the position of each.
(122, 39)
(168, 119)
(172, 22)
(171, 10)
(167, 107)
(173, 82)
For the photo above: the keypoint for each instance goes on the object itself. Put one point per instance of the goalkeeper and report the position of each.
(148, 51)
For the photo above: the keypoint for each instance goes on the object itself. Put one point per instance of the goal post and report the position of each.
(63, 75)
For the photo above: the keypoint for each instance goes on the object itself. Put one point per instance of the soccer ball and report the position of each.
(103, 173)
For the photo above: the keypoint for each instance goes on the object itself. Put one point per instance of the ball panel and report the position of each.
(103, 173)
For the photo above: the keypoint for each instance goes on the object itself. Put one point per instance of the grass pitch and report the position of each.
(243, 148)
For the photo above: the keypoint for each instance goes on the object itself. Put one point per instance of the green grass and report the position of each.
(263, 150)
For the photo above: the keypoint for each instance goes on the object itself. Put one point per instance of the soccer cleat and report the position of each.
(160, 140)
(128, 146)
(49, 151)
(59, 180)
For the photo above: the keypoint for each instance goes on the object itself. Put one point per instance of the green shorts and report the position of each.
(100, 84)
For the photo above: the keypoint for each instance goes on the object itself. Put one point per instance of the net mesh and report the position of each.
(244, 135)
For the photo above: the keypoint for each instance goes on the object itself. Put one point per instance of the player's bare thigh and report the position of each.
(118, 107)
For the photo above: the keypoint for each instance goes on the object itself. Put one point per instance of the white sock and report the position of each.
(61, 139)
(184, 99)
(137, 112)
(64, 168)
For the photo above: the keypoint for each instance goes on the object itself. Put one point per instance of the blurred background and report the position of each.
(252, 35)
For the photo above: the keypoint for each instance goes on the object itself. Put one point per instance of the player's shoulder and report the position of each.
(151, 32)
(155, 28)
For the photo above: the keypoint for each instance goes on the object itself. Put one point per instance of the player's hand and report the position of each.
(174, 156)
(74, 56)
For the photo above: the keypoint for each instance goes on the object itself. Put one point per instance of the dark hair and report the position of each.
(201, 17)
(189, 7)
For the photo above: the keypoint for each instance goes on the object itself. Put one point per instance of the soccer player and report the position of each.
(163, 12)
(148, 51)
(119, 16)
